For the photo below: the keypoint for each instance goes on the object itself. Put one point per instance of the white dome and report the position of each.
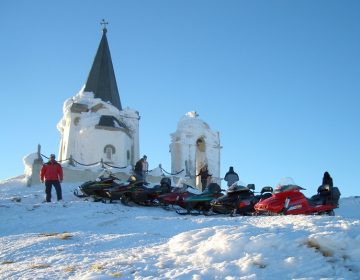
(190, 122)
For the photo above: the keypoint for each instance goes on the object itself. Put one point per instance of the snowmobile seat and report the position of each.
(164, 188)
(251, 186)
(315, 197)
(335, 196)
(165, 181)
(266, 189)
(235, 188)
(315, 200)
(214, 188)
(165, 185)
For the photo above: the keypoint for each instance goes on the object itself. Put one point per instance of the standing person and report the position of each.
(52, 174)
(205, 176)
(231, 176)
(138, 169)
(145, 167)
(327, 180)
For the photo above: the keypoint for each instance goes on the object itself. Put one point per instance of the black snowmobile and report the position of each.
(239, 200)
(140, 192)
(99, 188)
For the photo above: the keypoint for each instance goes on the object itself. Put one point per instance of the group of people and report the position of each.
(230, 177)
(51, 174)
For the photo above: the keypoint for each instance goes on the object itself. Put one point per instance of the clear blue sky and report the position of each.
(280, 80)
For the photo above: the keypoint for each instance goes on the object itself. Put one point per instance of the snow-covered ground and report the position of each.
(78, 239)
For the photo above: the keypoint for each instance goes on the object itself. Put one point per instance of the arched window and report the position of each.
(200, 144)
(76, 121)
(109, 150)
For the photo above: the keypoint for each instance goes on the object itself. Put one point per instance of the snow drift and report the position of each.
(79, 239)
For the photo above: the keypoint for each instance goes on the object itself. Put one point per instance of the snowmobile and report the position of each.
(289, 200)
(140, 192)
(99, 188)
(200, 203)
(177, 196)
(239, 200)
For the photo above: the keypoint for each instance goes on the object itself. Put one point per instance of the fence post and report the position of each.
(39, 151)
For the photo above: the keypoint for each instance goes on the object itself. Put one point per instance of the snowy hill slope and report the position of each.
(79, 239)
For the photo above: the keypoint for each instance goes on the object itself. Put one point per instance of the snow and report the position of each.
(78, 239)
(28, 163)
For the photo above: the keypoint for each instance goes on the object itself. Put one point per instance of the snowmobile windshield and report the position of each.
(286, 188)
(212, 188)
(286, 181)
(104, 174)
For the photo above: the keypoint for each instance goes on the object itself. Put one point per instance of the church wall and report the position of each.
(176, 157)
(69, 133)
(90, 145)
(131, 117)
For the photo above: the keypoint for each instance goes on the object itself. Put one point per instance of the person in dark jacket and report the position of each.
(52, 174)
(327, 180)
(205, 176)
(145, 167)
(139, 168)
(231, 176)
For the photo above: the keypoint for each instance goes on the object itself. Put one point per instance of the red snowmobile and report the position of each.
(289, 200)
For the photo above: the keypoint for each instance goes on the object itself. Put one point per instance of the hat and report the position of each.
(52, 156)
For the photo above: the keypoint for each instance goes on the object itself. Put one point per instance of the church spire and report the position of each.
(101, 80)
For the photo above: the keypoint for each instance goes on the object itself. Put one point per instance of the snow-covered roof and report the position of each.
(191, 122)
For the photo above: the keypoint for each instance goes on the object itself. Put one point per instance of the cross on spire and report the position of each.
(104, 23)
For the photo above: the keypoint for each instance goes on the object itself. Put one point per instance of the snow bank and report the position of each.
(28, 163)
(79, 239)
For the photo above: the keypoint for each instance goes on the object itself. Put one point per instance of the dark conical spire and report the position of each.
(101, 80)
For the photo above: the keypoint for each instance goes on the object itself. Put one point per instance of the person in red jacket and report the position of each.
(52, 174)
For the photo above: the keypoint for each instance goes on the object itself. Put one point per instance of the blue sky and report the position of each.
(278, 79)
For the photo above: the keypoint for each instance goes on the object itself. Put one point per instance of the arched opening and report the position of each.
(128, 157)
(200, 158)
(109, 151)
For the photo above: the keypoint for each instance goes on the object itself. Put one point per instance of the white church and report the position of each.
(97, 133)
(94, 125)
